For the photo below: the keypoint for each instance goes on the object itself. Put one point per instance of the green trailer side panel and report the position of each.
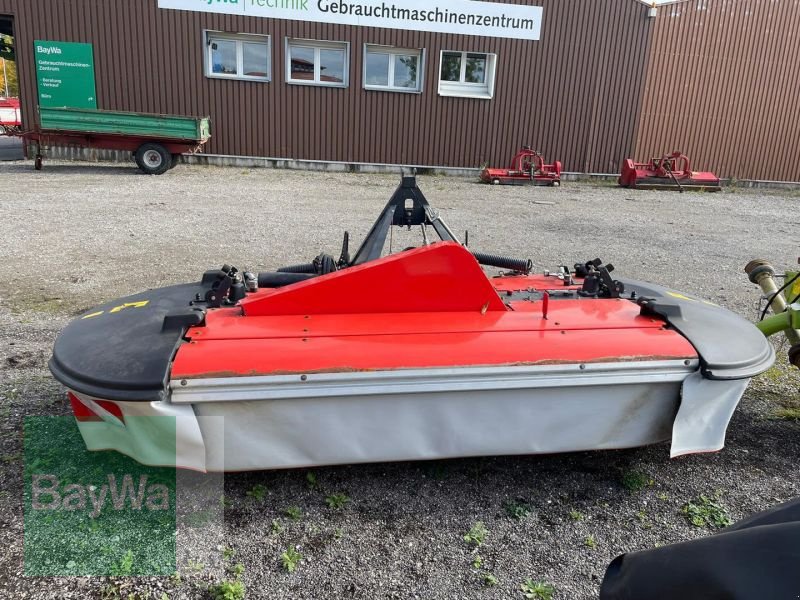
(165, 127)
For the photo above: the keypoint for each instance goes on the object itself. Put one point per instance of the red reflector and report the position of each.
(83, 413)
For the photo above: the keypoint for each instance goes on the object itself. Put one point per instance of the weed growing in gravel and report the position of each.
(636, 481)
(787, 414)
(517, 509)
(124, 567)
(337, 501)
(257, 492)
(644, 520)
(195, 566)
(227, 590)
(706, 512)
(477, 534)
(276, 527)
(576, 515)
(477, 562)
(773, 374)
(110, 592)
(590, 542)
(338, 533)
(489, 580)
(311, 480)
(537, 590)
(225, 502)
(294, 513)
(290, 559)
(228, 553)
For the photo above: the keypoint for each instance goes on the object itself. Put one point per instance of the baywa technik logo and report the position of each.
(287, 4)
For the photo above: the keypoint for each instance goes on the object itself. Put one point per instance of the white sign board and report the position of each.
(466, 17)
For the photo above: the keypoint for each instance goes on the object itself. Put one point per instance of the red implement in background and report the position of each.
(10, 115)
(671, 171)
(527, 167)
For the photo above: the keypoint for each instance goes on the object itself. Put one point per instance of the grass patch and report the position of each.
(537, 590)
(590, 542)
(706, 511)
(477, 534)
(294, 513)
(517, 509)
(290, 559)
(489, 580)
(311, 480)
(337, 501)
(787, 414)
(635, 481)
(228, 553)
(227, 590)
(257, 492)
(576, 515)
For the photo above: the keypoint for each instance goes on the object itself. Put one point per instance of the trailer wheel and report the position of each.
(153, 159)
(495, 181)
(176, 158)
(37, 163)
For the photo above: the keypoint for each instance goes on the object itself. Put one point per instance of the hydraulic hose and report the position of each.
(308, 268)
(277, 280)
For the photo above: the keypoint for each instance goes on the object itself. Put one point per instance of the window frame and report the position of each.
(466, 89)
(209, 36)
(317, 46)
(393, 51)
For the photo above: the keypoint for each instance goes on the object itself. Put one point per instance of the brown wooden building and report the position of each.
(604, 80)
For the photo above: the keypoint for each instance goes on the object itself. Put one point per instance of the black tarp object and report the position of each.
(758, 558)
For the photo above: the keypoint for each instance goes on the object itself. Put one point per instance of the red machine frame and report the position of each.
(527, 167)
(667, 172)
(12, 125)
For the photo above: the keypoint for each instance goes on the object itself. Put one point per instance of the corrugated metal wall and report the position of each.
(722, 86)
(574, 94)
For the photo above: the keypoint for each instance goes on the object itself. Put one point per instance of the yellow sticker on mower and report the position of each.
(117, 309)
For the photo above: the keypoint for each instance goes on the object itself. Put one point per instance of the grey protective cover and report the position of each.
(730, 346)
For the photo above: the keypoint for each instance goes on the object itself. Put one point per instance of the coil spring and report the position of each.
(520, 265)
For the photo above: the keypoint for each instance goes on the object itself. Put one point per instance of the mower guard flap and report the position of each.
(729, 346)
(122, 350)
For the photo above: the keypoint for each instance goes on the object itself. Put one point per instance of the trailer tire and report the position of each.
(38, 161)
(176, 159)
(153, 159)
(495, 181)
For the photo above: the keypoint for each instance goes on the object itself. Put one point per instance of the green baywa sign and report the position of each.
(65, 74)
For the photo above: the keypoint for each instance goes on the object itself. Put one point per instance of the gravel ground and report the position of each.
(75, 235)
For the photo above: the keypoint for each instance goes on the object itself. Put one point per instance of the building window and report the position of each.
(467, 74)
(392, 69)
(238, 56)
(312, 62)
